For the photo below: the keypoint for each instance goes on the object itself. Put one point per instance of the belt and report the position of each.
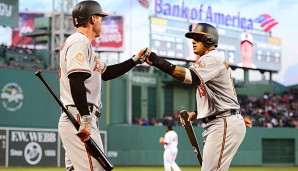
(210, 118)
(91, 107)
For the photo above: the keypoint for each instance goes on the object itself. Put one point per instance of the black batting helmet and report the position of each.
(84, 9)
(209, 32)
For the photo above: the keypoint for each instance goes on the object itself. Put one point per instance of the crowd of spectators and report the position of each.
(272, 110)
(269, 111)
(19, 57)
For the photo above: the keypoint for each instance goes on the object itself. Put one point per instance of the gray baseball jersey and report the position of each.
(216, 93)
(77, 55)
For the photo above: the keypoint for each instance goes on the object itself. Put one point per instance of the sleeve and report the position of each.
(167, 138)
(78, 58)
(114, 71)
(78, 92)
(206, 68)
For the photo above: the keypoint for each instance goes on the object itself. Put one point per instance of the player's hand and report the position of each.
(142, 56)
(152, 59)
(85, 128)
(161, 140)
(247, 122)
(192, 116)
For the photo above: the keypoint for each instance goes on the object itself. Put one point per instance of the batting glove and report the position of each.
(85, 128)
(142, 56)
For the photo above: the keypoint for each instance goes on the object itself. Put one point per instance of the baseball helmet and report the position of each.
(84, 10)
(209, 33)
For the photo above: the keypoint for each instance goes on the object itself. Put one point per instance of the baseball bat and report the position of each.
(92, 147)
(191, 134)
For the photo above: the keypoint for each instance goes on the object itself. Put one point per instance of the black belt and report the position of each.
(91, 109)
(210, 118)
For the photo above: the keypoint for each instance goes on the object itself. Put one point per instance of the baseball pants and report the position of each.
(169, 158)
(222, 138)
(76, 154)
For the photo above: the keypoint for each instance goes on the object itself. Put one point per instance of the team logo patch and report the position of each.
(200, 64)
(80, 57)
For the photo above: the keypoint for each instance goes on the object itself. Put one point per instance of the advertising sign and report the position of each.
(112, 35)
(9, 13)
(33, 148)
(26, 25)
(190, 11)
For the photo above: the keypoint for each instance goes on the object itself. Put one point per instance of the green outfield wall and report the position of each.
(25, 102)
(139, 145)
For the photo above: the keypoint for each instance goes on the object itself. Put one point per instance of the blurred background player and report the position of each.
(217, 103)
(246, 50)
(81, 75)
(170, 142)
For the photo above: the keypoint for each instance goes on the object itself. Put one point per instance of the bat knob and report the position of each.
(184, 114)
(38, 73)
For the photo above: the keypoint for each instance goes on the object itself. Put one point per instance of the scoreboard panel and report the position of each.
(167, 39)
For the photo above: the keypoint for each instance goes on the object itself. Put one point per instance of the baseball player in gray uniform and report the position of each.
(217, 104)
(81, 75)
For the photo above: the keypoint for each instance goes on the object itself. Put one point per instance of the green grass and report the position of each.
(161, 169)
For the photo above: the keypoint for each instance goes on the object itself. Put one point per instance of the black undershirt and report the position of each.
(114, 71)
(79, 91)
(196, 81)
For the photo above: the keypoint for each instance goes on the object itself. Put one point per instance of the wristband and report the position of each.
(162, 64)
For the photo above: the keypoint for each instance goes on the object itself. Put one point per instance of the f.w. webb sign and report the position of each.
(30, 147)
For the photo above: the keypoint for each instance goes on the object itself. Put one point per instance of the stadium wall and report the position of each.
(139, 145)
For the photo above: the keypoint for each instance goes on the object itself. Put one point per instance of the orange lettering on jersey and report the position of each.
(80, 57)
(226, 64)
(201, 90)
(97, 65)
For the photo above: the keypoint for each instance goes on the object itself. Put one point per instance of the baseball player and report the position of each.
(170, 142)
(81, 75)
(217, 104)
